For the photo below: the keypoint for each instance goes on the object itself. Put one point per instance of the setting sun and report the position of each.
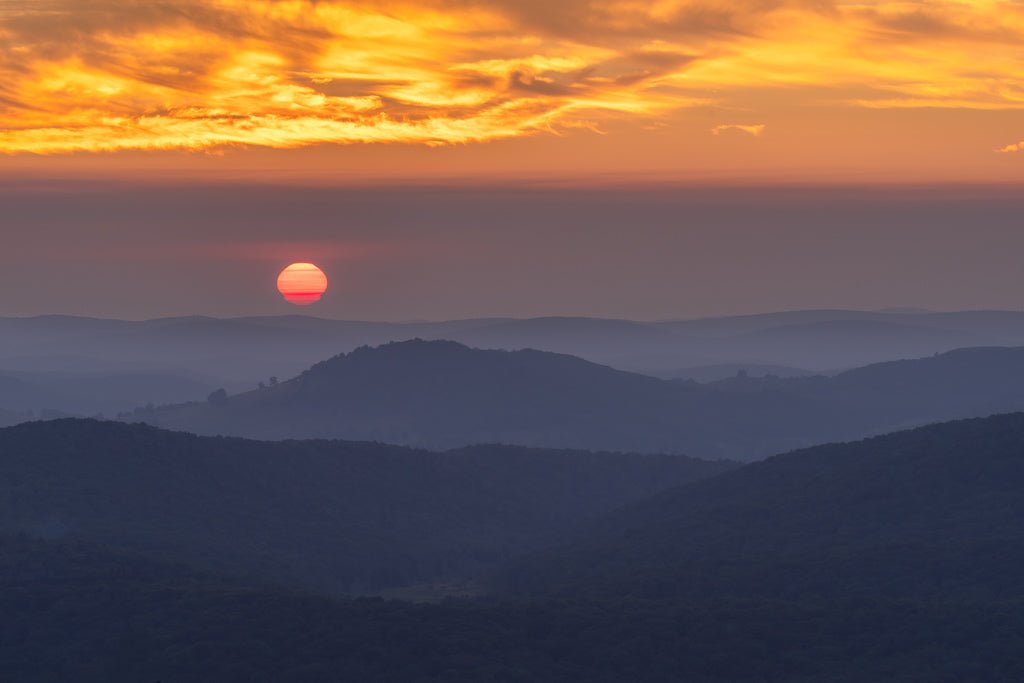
(302, 284)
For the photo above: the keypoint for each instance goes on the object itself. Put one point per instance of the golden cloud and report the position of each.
(106, 75)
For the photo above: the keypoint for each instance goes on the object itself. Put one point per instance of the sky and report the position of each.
(454, 158)
(406, 252)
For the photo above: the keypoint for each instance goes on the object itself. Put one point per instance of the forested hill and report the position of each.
(74, 613)
(933, 513)
(337, 517)
(442, 394)
(892, 559)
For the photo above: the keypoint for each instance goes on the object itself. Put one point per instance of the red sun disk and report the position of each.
(302, 284)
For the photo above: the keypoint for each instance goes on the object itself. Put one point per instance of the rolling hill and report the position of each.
(932, 514)
(895, 558)
(335, 517)
(443, 395)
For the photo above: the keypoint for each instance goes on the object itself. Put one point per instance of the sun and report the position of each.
(302, 284)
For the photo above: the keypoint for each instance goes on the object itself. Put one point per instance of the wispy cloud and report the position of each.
(106, 75)
(1015, 147)
(754, 129)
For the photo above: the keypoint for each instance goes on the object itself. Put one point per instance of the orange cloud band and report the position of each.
(106, 75)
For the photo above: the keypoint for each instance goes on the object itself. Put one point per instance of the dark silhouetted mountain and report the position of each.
(443, 395)
(930, 514)
(334, 516)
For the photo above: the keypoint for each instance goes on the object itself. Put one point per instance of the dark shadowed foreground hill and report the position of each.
(73, 613)
(934, 513)
(330, 516)
(894, 559)
(442, 394)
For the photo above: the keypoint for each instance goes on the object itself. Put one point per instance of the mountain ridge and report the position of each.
(442, 394)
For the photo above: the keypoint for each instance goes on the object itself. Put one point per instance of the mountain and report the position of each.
(973, 382)
(335, 517)
(443, 395)
(933, 514)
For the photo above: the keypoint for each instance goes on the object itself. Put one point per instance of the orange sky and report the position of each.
(791, 90)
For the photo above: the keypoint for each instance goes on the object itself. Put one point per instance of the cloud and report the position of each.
(1010, 149)
(102, 76)
(109, 75)
(754, 129)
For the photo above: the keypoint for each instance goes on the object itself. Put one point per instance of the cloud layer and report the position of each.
(109, 75)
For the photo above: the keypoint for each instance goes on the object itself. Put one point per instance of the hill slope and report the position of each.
(933, 513)
(331, 516)
(442, 394)
(892, 559)
(75, 613)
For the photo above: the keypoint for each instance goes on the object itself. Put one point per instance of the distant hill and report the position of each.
(930, 514)
(239, 352)
(335, 517)
(840, 344)
(442, 395)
